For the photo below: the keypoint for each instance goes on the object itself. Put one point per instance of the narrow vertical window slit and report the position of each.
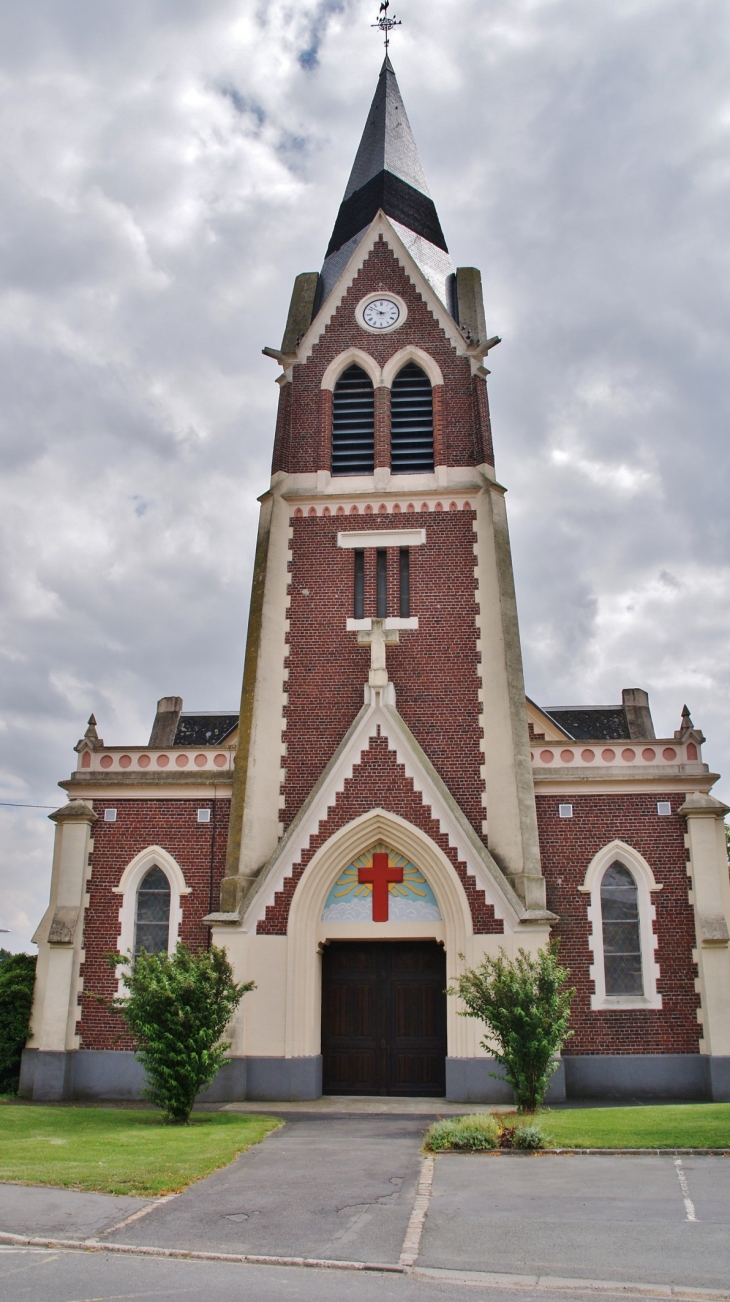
(382, 584)
(405, 583)
(359, 585)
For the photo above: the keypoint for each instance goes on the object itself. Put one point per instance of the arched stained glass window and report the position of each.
(353, 424)
(152, 927)
(621, 932)
(411, 422)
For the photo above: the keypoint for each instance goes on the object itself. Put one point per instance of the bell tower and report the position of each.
(384, 527)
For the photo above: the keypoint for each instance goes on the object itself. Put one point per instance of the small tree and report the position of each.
(177, 1008)
(17, 977)
(525, 1005)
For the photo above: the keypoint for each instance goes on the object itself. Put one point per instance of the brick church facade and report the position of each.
(387, 804)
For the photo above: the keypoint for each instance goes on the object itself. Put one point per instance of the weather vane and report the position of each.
(385, 23)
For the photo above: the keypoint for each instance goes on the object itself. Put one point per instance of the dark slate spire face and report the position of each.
(387, 174)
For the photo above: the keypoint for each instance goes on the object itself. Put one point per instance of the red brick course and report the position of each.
(173, 825)
(463, 436)
(379, 781)
(434, 669)
(568, 845)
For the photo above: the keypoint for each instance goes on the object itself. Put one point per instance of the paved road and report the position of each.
(343, 1188)
(35, 1276)
(617, 1218)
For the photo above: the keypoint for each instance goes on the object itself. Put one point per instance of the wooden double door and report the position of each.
(384, 1018)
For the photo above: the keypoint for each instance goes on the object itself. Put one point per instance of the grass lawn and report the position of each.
(112, 1150)
(682, 1125)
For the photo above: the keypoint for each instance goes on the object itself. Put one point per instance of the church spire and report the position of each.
(387, 173)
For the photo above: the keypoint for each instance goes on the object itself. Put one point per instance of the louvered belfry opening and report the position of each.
(353, 424)
(411, 422)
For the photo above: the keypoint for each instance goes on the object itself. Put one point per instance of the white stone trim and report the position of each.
(378, 718)
(394, 622)
(306, 928)
(382, 538)
(645, 884)
(351, 357)
(411, 353)
(129, 884)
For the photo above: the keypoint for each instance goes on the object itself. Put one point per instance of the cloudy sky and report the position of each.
(168, 166)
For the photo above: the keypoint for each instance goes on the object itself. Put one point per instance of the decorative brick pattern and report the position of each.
(379, 781)
(200, 850)
(462, 417)
(568, 845)
(434, 669)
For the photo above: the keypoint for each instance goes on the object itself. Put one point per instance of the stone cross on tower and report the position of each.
(378, 637)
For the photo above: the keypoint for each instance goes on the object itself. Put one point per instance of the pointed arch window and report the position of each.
(411, 422)
(353, 423)
(152, 922)
(621, 932)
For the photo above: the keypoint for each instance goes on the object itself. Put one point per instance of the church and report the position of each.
(387, 805)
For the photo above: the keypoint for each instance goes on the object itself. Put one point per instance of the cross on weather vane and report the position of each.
(385, 23)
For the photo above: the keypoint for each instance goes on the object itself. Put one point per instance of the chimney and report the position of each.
(169, 709)
(638, 714)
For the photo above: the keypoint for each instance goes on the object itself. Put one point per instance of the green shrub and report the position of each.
(529, 1137)
(474, 1133)
(525, 1006)
(17, 977)
(177, 1008)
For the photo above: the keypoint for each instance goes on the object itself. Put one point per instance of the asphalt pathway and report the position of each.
(339, 1188)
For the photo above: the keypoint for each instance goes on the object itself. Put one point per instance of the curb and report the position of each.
(484, 1279)
(579, 1152)
(188, 1254)
(563, 1284)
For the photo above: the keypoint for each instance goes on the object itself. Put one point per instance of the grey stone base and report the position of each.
(44, 1075)
(115, 1074)
(481, 1080)
(719, 1079)
(647, 1076)
(279, 1079)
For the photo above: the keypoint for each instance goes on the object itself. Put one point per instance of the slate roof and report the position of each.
(387, 174)
(204, 729)
(591, 723)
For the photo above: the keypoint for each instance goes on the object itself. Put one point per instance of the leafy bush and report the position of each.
(529, 1137)
(177, 1008)
(475, 1133)
(525, 1006)
(17, 977)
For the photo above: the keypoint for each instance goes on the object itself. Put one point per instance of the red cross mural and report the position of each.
(380, 876)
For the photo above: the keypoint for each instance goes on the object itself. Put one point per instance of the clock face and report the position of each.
(381, 314)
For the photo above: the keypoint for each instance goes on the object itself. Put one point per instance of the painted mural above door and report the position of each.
(381, 885)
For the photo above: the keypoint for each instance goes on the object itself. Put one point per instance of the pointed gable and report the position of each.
(387, 176)
(378, 777)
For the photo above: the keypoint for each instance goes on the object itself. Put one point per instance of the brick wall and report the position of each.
(463, 412)
(568, 845)
(379, 781)
(173, 825)
(434, 669)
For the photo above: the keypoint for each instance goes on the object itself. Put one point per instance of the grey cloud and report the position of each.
(166, 170)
